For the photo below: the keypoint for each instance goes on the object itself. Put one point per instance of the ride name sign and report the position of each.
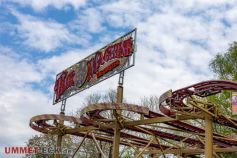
(106, 62)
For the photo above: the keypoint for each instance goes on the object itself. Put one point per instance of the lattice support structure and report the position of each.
(167, 130)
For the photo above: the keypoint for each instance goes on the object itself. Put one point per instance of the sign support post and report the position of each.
(60, 136)
(117, 128)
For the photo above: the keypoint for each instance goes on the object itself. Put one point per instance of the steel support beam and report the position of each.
(80, 144)
(98, 146)
(149, 121)
(59, 140)
(191, 151)
(208, 137)
(149, 143)
(80, 129)
(116, 141)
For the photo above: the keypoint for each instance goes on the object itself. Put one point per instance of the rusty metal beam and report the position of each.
(208, 137)
(148, 144)
(59, 139)
(149, 121)
(116, 141)
(80, 129)
(80, 144)
(97, 145)
(191, 151)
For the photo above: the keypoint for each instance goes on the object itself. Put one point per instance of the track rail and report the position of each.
(92, 120)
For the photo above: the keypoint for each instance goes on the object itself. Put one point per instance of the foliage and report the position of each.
(224, 66)
(46, 142)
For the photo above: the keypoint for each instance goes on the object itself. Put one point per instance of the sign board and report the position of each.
(104, 63)
(234, 103)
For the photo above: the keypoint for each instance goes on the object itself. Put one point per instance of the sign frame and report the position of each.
(119, 65)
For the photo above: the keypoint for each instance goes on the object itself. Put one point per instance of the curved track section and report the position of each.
(203, 89)
(165, 130)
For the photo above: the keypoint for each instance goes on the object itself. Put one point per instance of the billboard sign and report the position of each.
(104, 63)
(234, 103)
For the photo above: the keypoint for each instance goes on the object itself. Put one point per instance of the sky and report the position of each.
(176, 40)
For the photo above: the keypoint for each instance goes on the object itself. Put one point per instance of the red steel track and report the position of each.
(92, 118)
(202, 89)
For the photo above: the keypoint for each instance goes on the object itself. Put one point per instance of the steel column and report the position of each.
(59, 140)
(208, 137)
(116, 141)
(60, 136)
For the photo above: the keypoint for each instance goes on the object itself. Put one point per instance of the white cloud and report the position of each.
(196, 6)
(89, 21)
(174, 49)
(18, 100)
(230, 15)
(44, 35)
(39, 5)
(125, 13)
(176, 40)
(18, 105)
(16, 71)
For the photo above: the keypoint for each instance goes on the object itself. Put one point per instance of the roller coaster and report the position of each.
(183, 126)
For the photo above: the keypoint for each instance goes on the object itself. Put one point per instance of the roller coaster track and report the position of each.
(202, 89)
(165, 132)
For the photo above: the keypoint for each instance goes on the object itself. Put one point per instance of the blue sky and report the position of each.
(176, 40)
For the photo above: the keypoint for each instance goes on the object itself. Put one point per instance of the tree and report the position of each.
(48, 142)
(224, 66)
